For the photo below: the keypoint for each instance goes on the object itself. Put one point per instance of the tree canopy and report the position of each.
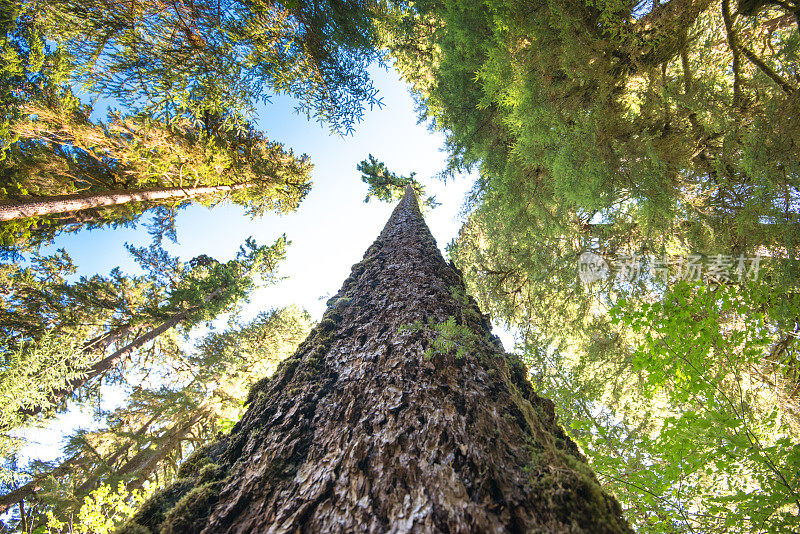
(187, 78)
(646, 133)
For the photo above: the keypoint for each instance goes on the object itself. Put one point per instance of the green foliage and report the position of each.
(234, 360)
(633, 128)
(387, 186)
(446, 338)
(29, 374)
(686, 408)
(592, 124)
(188, 102)
(55, 333)
(60, 151)
(53, 330)
(221, 57)
(104, 510)
(705, 359)
(207, 285)
(198, 392)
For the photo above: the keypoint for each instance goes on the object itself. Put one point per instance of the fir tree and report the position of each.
(45, 364)
(360, 430)
(188, 77)
(144, 442)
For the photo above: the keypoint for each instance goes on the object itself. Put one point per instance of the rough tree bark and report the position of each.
(50, 205)
(359, 431)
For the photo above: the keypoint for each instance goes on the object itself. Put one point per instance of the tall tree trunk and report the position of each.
(50, 205)
(112, 360)
(23, 492)
(360, 431)
(93, 480)
(102, 341)
(141, 466)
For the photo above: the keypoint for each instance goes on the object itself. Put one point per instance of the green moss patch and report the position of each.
(189, 515)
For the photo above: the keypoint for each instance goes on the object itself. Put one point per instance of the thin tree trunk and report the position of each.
(22, 519)
(92, 480)
(23, 492)
(142, 466)
(361, 431)
(102, 341)
(50, 205)
(109, 362)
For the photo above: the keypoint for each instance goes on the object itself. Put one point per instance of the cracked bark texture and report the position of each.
(359, 432)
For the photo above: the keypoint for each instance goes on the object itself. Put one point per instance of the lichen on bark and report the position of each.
(359, 432)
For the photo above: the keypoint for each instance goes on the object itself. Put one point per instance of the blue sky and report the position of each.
(333, 226)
